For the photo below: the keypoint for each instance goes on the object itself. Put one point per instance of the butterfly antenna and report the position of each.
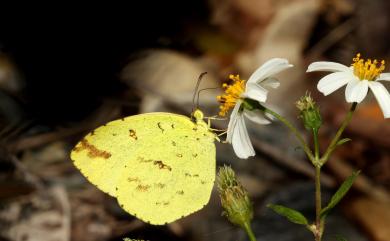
(196, 91)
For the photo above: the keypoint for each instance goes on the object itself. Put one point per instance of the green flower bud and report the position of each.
(309, 112)
(234, 198)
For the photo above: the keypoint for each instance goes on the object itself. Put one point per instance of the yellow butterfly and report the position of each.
(159, 166)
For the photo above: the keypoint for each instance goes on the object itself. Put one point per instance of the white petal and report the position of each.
(257, 117)
(233, 121)
(348, 91)
(256, 92)
(327, 66)
(384, 76)
(382, 96)
(334, 81)
(241, 143)
(270, 82)
(269, 68)
(356, 90)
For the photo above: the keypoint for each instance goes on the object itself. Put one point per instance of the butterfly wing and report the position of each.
(160, 166)
(100, 155)
(174, 173)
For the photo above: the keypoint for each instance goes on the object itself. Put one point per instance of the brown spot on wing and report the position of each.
(161, 165)
(160, 127)
(133, 179)
(160, 185)
(132, 134)
(181, 192)
(142, 188)
(141, 159)
(93, 151)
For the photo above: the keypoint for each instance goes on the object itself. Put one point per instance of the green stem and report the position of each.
(318, 231)
(340, 131)
(316, 145)
(249, 231)
(293, 130)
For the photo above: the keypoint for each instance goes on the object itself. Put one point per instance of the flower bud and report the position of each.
(309, 112)
(234, 198)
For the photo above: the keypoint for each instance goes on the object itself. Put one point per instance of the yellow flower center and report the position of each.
(233, 92)
(367, 69)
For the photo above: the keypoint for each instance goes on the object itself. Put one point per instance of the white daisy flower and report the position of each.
(359, 77)
(235, 95)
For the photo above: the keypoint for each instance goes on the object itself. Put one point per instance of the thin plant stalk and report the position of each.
(318, 230)
(294, 131)
(315, 159)
(340, 131)
(249, 232)
(316, 145)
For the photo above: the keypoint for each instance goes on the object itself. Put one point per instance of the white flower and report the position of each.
(253, 89)
(360, 77)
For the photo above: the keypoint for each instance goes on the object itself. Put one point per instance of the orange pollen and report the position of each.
(233, 92)
(367, 69)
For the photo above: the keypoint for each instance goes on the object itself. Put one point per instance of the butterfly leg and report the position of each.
(220, 134)
(213, 118)
(223, 133)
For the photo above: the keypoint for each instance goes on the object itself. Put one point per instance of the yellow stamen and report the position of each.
(367, 70)
(232, 94)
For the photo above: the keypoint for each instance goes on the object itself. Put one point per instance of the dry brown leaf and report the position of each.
(166, 75)
(47, 217)
(285, 37)
(373, 216)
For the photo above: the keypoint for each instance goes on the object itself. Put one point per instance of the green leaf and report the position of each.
(343, 189)
(291, 214)
(342, 141)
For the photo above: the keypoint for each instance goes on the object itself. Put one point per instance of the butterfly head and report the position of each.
(198, 115)
(205, 126)
(199, 119)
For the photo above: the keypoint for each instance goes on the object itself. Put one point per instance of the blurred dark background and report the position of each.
(72, 55)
